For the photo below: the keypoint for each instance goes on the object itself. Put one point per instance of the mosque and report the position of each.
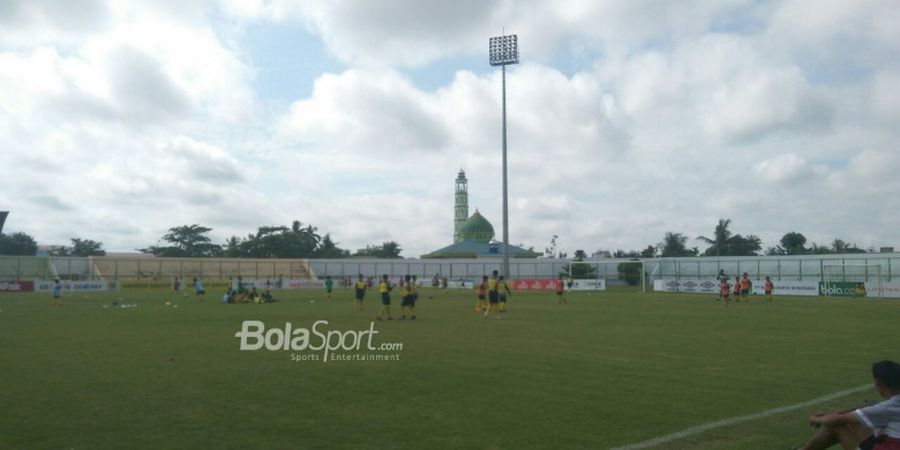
(473, 236)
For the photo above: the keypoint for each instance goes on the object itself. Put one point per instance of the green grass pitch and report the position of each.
(605, 370)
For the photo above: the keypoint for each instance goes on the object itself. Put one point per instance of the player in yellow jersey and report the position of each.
(493, 295)
(560, 290)
(406, 300)
(503, 293)
(360, 294)
(385, 289)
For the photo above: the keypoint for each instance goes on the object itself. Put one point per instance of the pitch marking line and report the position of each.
(740, 419)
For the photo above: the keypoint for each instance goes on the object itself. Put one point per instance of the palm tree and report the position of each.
(719, 244)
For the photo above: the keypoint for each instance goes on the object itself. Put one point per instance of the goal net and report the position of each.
(613, 273)
(852, 280)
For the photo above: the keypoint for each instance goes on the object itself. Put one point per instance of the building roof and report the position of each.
(480, 249)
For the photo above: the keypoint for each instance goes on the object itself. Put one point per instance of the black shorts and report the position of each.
(407, 301)
(494, 296)
(503, 298)
(481, 297)
(360, 294)
(768, 292)
(868, 443)
(385, 298)
(328, 290)
(745, 291)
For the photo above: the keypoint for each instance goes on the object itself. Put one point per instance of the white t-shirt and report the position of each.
(882, 418)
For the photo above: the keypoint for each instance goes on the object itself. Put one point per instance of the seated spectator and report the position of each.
(228, 297)
(875, 427)
(267, 297)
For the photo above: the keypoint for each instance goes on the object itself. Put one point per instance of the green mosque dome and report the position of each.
(477, 228)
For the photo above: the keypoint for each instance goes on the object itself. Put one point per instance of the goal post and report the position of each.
(852, 280)
(628, 273)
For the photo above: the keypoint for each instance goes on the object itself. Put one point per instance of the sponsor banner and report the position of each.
(891, 290)
(534, 285)
(707, 286)
(809, 288)
(859, 289)
(72, 286)
(280, 284)
(711, 286)
(460, 284)
(842, 289)
(588, 285)
(16, 286)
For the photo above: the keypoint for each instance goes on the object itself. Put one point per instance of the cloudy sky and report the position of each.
(627, 119)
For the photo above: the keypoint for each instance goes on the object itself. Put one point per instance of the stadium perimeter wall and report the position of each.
(782, 268)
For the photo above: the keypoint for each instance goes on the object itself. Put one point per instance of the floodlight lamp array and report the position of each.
(504, 50)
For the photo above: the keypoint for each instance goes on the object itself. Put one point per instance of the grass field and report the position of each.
(605, 370)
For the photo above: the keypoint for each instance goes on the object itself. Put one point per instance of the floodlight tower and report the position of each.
(503, 51)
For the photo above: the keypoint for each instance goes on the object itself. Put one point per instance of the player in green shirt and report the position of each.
(329, 285)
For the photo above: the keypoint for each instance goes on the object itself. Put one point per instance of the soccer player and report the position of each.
(745, 288)
(406, 300)
(560, 290)
(360, 294)
(769, 288)
(481, 290)
(504, 292)
(414, 292)
(737, 289)
(329, 285)
(385, 289)
(198, 288)
(724, 291)
(493, 294)
(57, 292)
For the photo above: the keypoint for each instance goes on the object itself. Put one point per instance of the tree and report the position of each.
(579, 271)
(329, 249)
(673, 245)
(649, 252)
(80, 247)
(744, 246)
(724, 243)
(794, 243)
(552, 250)
(388, 250)
(19, 244)
(840, 246)
(233, 248)
(186, 240)
(630, 272)
(719, 242)
(624, 254)
(296, 241)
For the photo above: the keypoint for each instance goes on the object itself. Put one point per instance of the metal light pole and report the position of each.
(504, 50)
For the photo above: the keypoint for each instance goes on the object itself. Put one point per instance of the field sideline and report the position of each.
(605, 370)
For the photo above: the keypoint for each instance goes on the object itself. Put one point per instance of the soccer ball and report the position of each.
(168, 304)
(175, 306)
(312, 301)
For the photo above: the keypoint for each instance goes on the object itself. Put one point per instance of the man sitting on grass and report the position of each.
(875, 427)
